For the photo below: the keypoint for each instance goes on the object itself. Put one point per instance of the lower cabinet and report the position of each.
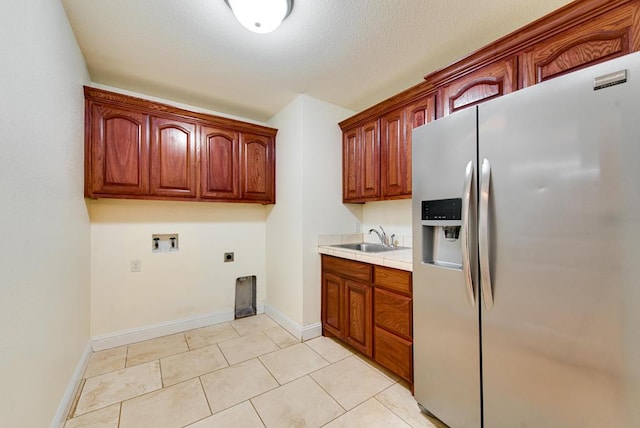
(369, 307)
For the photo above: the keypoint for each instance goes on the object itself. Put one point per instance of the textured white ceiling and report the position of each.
(351, 53)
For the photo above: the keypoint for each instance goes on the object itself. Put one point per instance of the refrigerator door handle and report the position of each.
(483, 235)
(466, 257)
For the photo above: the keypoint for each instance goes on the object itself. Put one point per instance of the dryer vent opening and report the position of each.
(245, 296)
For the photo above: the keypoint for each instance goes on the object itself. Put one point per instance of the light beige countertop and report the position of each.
(398, 259)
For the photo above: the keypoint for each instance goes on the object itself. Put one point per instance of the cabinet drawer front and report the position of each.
(347, 268)
(393, 312)
(393, 279)
(394, 353)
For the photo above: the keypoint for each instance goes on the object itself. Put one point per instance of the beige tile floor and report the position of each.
(245, 373)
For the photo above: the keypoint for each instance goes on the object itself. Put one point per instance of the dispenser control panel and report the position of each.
(442, 209)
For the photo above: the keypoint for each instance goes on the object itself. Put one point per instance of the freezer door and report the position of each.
(561, 343)
(445, 324)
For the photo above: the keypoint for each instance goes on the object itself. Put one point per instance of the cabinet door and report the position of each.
(489, 82)
(350, 170)
(257, 168)
(417, 114)
(393, 153)
(173, 158)
(357, 318)
(119, 152)
(219, 163)
(608, 36)
(370, 161)
(332, 303)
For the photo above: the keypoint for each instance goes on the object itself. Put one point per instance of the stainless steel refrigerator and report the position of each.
(526, 270)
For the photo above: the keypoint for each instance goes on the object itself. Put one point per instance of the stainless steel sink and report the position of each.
(368, 248)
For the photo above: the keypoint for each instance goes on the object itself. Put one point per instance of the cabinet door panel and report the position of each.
(370, 158)
(393, 153)
(395, 280)
(393, 312)
(257, 171)
(219, 163)
(394, 353)
(358, 326)
(489, 82)
(119, 151)
(351, 269)
(350, 170)
(418, 114)
(332, 303)
(173, 158)
(606, 37)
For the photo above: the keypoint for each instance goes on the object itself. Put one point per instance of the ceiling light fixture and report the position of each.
(260, 16)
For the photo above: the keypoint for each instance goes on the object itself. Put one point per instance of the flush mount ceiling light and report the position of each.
(260, 16)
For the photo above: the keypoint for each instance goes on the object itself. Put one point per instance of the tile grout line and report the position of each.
(119, 414)
(330, 396)
(387, 407)
(205, 397)
(257, 413)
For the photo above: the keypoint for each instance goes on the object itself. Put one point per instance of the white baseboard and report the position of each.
(60, 417)
(296, 329)
(134, 335)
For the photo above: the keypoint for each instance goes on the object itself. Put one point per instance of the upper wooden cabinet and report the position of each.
(118, 150)
(396, 129)
(376, 153)
(140, 149)
(491, 81)
(173, 158)
(612, 34)
(361, 163)
(219, 174)
(257, 170)
(578, 35)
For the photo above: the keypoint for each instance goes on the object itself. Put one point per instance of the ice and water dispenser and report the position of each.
(441, 223)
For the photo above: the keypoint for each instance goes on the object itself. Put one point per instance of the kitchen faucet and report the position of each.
(383, 236)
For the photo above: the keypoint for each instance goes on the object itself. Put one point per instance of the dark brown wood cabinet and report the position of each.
(347, 298)
(370, 308)
(578, 35)
(361, 163)
(393, 321)
(610, 35)
(256, 171)
(491, 81)
(173, 158)
(140, 149)
(118, 150)
(219, 158)
(395, 145)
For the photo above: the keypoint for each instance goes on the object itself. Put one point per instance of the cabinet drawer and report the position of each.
(393, 312)
(393, 279)
(347, 268)
(394, 353)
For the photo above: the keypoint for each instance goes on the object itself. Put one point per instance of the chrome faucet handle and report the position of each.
(384, 237)
(392, 241)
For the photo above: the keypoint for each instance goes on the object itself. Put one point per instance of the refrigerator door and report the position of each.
(445, 323)
(561, 343)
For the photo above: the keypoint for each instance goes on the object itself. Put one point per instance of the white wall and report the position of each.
(323, 210)
(309, 189)
(44, 256)
(191, 283)
(284, 221)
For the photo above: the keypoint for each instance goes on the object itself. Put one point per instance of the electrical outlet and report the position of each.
(136, 265)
